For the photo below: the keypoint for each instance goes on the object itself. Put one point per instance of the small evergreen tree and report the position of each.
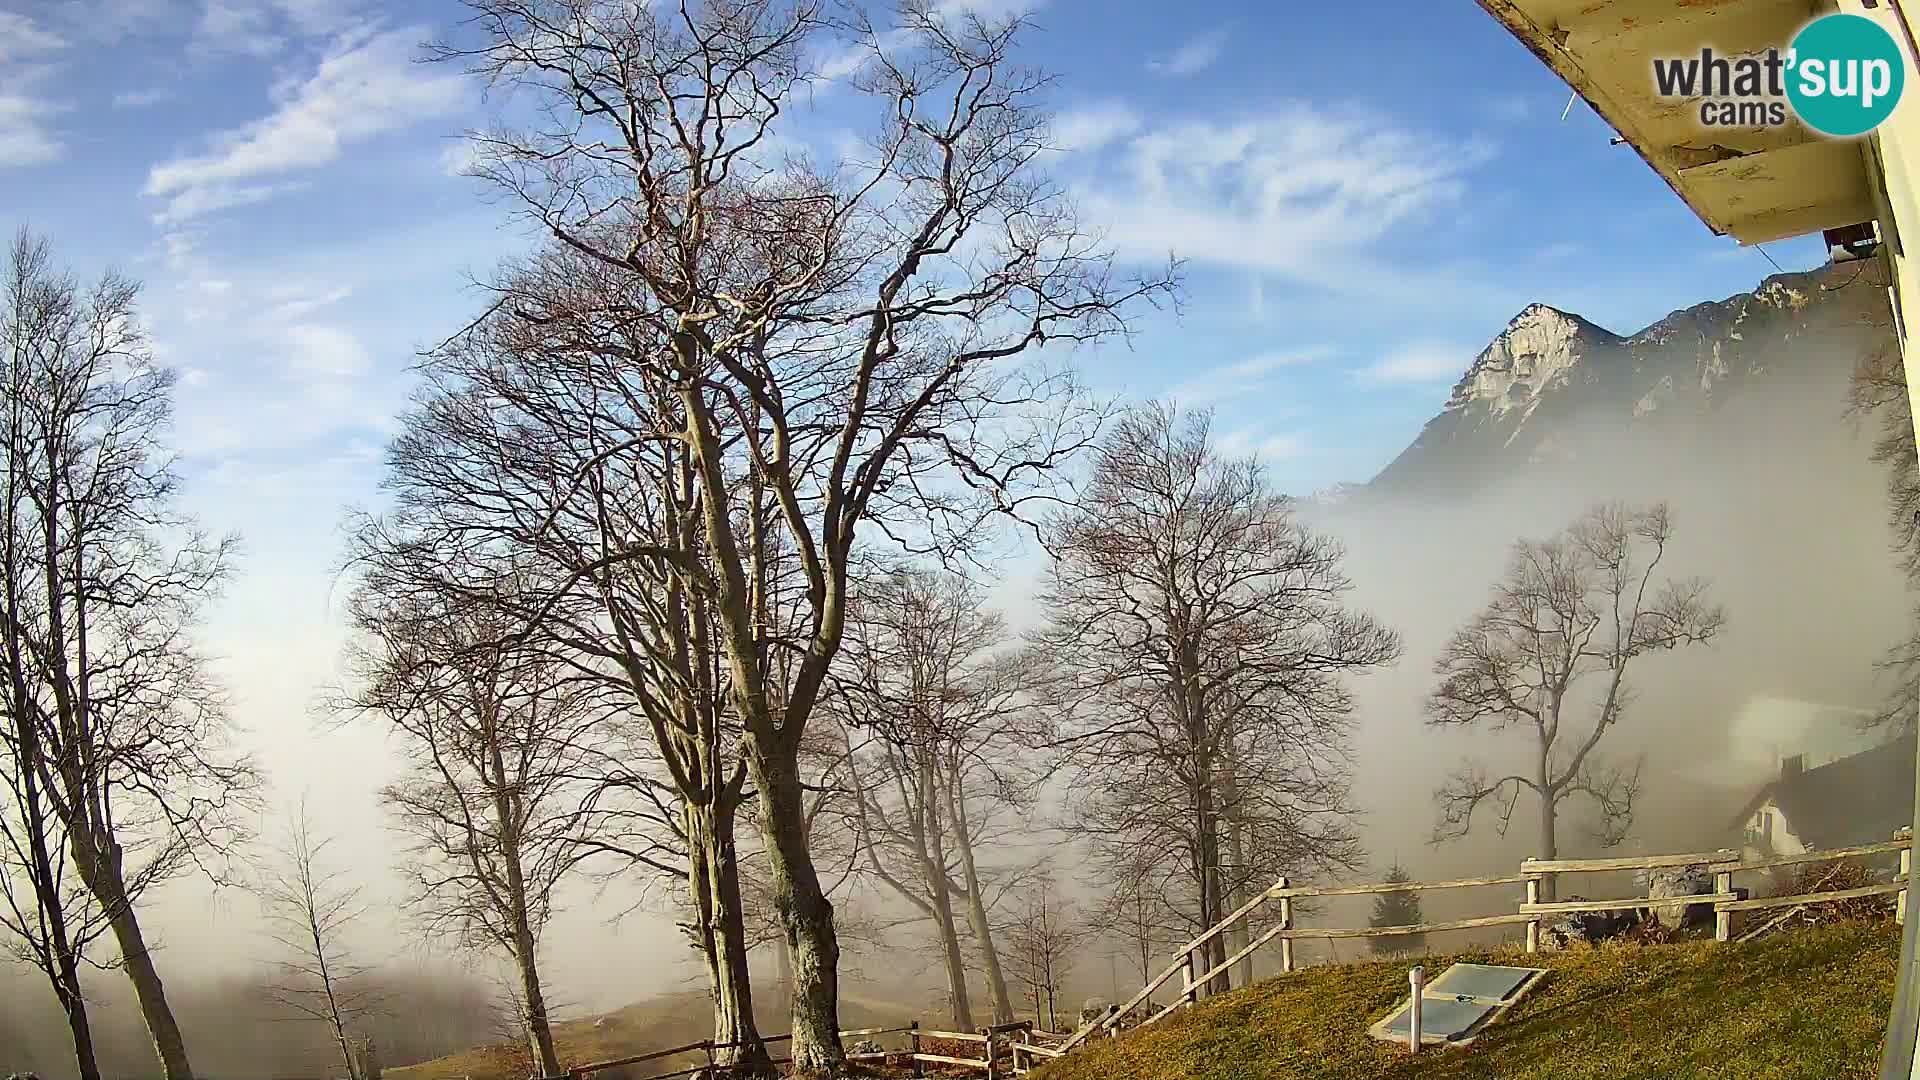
(1397, 909)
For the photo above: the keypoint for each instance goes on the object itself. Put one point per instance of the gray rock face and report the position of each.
(866, 1046)
(1554, 387)
(1585, 928)
(1680, 882)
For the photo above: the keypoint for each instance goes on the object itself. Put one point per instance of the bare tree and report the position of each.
(310, 910)
(48, 918)
(495, 736)
(1045, 933)
(842, 339)
(1879, 391)
(1134, 912)
(103, 584)
(1199, 629)
(1548, 658)
(923, 681)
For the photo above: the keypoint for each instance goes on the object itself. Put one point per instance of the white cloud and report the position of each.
(24, 138)
(1193, 57)
(265, 27)
(1242, 377)
(139, 99)
(1277, 447)
(1283, 192)
(26, 48)
(22, 38)
(1420, 362)
(366, 86)
(459, 158)
(326, 352)
(206, 199)
(1090, 127)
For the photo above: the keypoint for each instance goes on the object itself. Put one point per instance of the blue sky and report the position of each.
(1365, 195)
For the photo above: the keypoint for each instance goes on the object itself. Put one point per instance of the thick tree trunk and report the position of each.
(102, 877)
(805, 912)
(772, 748)
(714, 887)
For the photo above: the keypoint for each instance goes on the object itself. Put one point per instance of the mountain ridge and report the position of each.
(1552, 380)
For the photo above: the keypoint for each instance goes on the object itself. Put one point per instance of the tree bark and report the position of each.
(1237, 938)
(1549, 837)
(74, 1004)
(933, 870)
(102, 877)
(525, 947)
(806, 915)
(714, 884)
(976, 903)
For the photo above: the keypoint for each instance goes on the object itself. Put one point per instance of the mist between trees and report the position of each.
(679, 583)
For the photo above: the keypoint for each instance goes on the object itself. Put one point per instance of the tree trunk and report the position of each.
(539, 1029)
(1549, 839)
(74, 1004)
(805, 912)
(102, 877)
(1207, 825)
(933, 870)
(977, 905)
(714, 884)
(783, 956)
(1241, 935)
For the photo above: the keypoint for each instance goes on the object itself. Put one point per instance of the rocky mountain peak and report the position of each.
(1551, 379)
(1540, 347)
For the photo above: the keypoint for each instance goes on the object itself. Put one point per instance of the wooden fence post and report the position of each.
(1722, 918)
(1533, 924)
(988, 1032)
(1189, 989)
(1286, 921)
(1900, 898)
(919, 1067)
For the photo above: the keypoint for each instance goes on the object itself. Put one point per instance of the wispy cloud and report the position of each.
(140, 99)
(366, 86)
(27, 52)
(1242, 377)
(1089, 127)
(1266, 446)
(1194, 56)
(265, 27)
(1419, 363)
(1282, 192)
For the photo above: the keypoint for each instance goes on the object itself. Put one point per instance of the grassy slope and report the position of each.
(654, 1024)
(1810, 1004)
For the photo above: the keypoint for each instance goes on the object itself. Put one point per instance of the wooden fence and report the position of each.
(1026, 1047)
(1533, 876)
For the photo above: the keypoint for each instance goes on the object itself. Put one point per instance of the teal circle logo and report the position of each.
(1845, 75)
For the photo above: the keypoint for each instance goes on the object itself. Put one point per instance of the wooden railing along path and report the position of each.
(1534, 873)
(1026, 1046)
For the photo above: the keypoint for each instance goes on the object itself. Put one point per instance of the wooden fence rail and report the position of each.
(1018, 1039)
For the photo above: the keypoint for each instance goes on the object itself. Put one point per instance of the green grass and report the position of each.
(1810, 1004)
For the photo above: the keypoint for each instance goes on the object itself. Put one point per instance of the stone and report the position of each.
(1585, 927)
(1679, 882)
(866, 1046)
